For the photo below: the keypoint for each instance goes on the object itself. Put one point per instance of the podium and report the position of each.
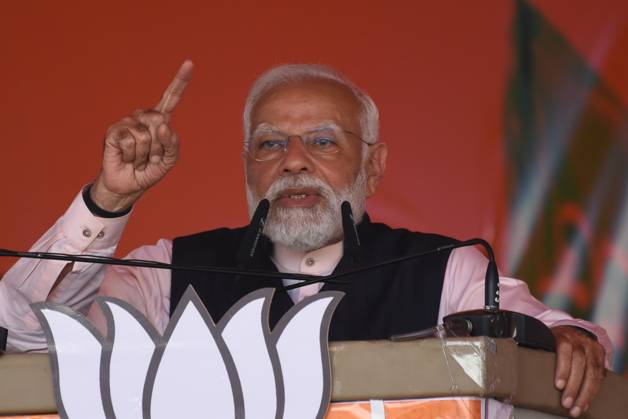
(392, 372)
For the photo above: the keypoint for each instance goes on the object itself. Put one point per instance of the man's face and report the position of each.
(306, 190)
(296, 109)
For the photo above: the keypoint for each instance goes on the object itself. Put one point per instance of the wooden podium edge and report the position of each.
(475, 367)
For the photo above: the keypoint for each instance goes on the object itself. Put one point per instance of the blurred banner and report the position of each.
(566, 144)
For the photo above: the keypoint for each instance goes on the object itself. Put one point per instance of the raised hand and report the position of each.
(140, 149)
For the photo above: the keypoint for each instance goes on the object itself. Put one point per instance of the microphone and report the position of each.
(253, 233)
(3, 339)
(351, 242)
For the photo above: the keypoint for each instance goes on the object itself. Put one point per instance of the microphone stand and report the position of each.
(3, 339)
(490, 321)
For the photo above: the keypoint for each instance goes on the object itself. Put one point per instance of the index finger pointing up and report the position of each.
(174, 92)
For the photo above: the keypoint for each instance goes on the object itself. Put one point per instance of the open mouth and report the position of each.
(298, 197)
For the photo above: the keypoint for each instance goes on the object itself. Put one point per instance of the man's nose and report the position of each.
(296, 159)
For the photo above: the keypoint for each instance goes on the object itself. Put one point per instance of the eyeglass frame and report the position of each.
(287, 137)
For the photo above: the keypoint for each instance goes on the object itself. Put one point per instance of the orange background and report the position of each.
(436, 69)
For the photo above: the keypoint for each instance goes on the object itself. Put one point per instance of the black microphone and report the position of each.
(351, 241)
(253, 233)
(3, 339)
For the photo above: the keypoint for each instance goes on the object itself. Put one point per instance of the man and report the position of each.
(310, 144)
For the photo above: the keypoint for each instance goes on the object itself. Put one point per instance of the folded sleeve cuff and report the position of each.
(83, 230)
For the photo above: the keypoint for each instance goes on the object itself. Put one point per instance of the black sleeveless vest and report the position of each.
(377, 304)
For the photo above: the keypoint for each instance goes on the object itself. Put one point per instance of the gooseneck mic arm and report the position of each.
(490, 321)
(491, 290)
(140, 263)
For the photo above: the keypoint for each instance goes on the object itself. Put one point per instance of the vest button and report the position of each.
(310, 261)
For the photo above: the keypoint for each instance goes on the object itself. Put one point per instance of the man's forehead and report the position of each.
(307, 103)
(263, 127)
(310, 90)
(313, 84)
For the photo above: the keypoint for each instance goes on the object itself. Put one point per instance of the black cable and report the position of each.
(156, 265)
(400, 259)
(306, 279)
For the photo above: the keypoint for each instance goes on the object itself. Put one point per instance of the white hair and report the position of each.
(288, 73)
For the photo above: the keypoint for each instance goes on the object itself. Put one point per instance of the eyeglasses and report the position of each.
(327, 142)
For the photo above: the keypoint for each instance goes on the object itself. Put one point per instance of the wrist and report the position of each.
(585, 332)
(108, 208)
(580, 330)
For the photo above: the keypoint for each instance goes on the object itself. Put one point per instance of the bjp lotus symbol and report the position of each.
(236, 369)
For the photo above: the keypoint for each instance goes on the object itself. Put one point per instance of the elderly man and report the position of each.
(310, 144)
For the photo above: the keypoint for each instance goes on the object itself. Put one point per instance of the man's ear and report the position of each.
(375, 167)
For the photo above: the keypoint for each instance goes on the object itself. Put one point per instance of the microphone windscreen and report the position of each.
(253, 233)
(261, 211)
(352, 240)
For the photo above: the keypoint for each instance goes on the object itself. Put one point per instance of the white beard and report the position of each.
(308, 229)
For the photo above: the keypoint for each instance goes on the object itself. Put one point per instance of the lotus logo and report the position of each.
(236, 369)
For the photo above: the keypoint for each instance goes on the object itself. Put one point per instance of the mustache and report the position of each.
(301, 180)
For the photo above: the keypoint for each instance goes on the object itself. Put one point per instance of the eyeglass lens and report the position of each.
(321, 143)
